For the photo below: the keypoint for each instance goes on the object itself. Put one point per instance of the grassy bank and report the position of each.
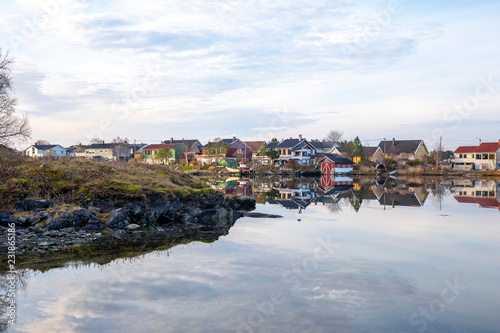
(64, 180)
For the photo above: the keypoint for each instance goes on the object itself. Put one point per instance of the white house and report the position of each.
(486, 156)
(45, 150)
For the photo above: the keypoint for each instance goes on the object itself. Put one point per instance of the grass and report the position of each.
(65, 180)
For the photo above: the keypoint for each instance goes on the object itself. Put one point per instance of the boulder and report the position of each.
(118, 219)
(6, 219)
(32, 205)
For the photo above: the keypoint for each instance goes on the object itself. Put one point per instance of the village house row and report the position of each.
(301, 151)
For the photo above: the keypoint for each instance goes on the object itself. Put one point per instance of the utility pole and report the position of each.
(440, 148)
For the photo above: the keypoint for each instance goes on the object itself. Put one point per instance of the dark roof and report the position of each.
(44, 147)
(160, 146)
(272, 145)
(483, 202)
(400, 146)
(321, 144)
(398, 199)
(335, 158)
(99, 146)
(288, 143)
(188, 142)
(369, 151)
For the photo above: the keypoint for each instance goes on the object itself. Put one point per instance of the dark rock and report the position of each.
(262, 215)
(30, 205)
(245, 203)
(118, 219)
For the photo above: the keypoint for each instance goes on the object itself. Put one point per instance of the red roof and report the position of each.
(488, 147)
(161, 146)
(465, 149)
(483, 202)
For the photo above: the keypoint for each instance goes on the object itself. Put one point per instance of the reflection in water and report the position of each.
(298, 194)
(363, 270)
(485, 193)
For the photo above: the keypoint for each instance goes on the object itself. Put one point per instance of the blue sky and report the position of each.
(256, 69)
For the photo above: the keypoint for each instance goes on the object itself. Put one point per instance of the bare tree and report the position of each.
(120, 147)
(96, 140)
(334, 136)
(12, 127)
(42, 142)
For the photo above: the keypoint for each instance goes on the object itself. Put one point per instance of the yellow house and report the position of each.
(404, 150)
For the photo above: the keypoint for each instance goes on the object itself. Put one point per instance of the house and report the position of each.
(331, 164)
(258, 157)
(45, 150)
(298, 150)
(404, 150)
(486, 156)
(215, 152)
(191, 147)
(322, 146)
(373, 154)
(464, 158)
(76, 151)
(151, 153)
(102, 151)
(485, 193)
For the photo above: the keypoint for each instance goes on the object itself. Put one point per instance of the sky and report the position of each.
(150, 70)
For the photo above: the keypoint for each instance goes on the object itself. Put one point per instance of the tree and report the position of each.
(356, 149)
(120, 147)
(96, 140)
(42, 143)
(273, 154)
(12, 127)
(165, 154)
(334, 136)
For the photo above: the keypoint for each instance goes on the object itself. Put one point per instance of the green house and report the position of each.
(153, 153)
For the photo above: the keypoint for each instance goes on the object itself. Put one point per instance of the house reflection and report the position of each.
(298, 194)
(485, 193)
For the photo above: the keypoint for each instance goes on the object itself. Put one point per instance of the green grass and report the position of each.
(65, 180)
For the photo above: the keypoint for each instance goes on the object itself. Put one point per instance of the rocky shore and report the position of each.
(44, 226)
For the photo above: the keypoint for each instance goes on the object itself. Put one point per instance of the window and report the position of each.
(492, 156)
(478, 156)
(460, 156)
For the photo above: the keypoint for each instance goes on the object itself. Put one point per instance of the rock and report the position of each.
(262, 216)
(118, 219)
(244, 203)
(133, 226)
(6, 219)
(32, 204)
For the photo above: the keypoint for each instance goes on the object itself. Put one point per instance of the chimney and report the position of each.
(393, 142)
(290, 138)
(102, 141)
(300, 137)
(234, 138)
(171, 140)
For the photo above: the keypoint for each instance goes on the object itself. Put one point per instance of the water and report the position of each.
(410, 256)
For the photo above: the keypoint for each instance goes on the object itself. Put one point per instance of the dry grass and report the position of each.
(64, 180)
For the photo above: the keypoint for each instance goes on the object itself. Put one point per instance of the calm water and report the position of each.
(346, 257)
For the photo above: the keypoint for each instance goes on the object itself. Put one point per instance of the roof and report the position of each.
(288, 143)
(44, 147)
(335, 158)
(341, 149)
(188, 142)
(321, 144)
(255, 145)
(369, 151)
(400, 146)
(483, 202)
(161, 146)
(465, 149)
(99, 146)
(488, 147)
(399, 199)
(272, 145)
(485, 147)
